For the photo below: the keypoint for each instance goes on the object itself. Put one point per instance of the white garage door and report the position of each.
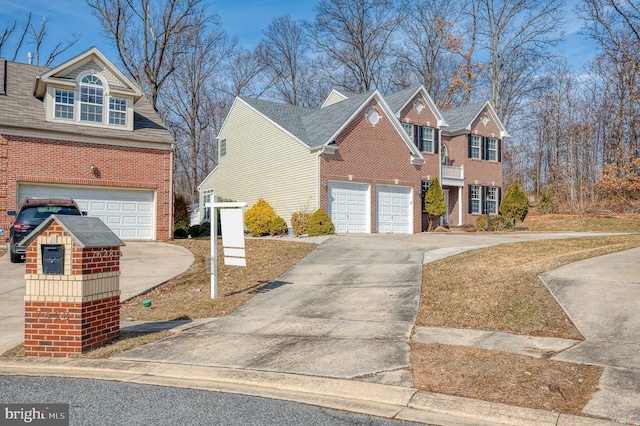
(128, 213)
(349, 206)
(394, 209)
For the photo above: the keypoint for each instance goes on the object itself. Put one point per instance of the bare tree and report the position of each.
(284, 53)
(516, 35)
(150, 36)
(356, 37)
(245, 74)
(186, 102)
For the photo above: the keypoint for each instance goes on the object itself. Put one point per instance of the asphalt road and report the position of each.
(96, 402)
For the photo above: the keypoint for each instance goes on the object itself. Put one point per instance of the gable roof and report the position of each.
(87, 231)
(21, 111)
(399, 100)
(318, 127)
(461, 118)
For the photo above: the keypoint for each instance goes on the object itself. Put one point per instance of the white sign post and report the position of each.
(232, 240)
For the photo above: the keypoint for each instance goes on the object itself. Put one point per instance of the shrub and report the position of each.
(469, 228)
(547, 203)
(259, 217)
(496, 223)
(205, 229)
(434, 203)
(194, 231)
(300, 222)
(180, 233)
(320, 224)
(515, 204)
(180, 212)
(278, 226)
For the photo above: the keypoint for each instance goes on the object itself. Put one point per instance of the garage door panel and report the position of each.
(129, 213)
(349, 206)
(394, 209)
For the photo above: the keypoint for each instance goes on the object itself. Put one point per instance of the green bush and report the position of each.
(547, 203)
(320, 224)
(496, 223)
(205, 229)
(300, 222)
(180, 233)
(194, 231)
(278, 226)
(515, 204)
(258, 218)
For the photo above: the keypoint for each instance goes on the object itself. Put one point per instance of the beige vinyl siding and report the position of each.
(112, 81)
(263, 161)
(333, 98)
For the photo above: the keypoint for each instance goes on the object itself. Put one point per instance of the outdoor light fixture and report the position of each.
(94, 170)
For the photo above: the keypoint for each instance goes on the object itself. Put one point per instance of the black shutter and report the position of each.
(499, 199)
(469, 146)
(483, 202)
(499, 150)
(469, 199)
(416, 136)
(483, 153)
(436, 141)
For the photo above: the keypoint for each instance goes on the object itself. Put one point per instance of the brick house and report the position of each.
(365, 159)
(84, 131)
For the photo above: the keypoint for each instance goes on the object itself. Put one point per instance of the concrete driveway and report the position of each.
(346, 311)
(144, 265)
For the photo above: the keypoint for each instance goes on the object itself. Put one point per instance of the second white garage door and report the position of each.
(395, 209)
(128, 213)
(349, 207)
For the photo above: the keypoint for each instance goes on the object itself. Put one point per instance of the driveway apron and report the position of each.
(346, 311)
(602, 298)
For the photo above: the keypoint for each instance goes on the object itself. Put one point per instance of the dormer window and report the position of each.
(64, 104)
(118, 111)
(91, 99)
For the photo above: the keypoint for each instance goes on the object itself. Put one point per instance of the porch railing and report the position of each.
(453, 172)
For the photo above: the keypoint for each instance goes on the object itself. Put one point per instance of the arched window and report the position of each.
(91, 99)
(444, 155)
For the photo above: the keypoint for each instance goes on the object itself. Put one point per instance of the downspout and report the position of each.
(318, 178)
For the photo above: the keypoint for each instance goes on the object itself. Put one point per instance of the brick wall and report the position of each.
(73, 312)
(376, 155)
(60, 162)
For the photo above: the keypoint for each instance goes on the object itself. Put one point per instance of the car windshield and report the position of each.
(43, 212)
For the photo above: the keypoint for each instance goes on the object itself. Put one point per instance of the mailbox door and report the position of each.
(52, 259)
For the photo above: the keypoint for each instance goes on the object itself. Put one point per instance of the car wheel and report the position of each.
(16, 258)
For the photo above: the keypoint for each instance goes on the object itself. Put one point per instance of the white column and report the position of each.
(459, 206)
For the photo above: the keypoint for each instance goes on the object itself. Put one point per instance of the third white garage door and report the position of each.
(349, 207)
(395, 209)
(128, 213)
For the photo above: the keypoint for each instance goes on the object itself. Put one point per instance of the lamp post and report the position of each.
(486, 209)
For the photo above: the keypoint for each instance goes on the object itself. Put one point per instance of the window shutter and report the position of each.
(470, 209)
(469, 146)
(483, 201)
(499, 199)
(436, 141)
(483, 152)
(499, 150)
(417, 130)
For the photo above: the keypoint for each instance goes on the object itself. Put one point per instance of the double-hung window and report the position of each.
(206, 198)
(223, 148)
(476, 147)
(426, 139)
(64, 104)
(409, 129)
(91, 99)
(425, 184)
(492, 149)
(475, 199)
(492, 200)
(118, 111)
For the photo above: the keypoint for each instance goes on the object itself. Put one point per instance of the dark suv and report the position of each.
(32, 212)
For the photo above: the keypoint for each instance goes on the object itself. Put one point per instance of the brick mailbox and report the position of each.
(72, 301)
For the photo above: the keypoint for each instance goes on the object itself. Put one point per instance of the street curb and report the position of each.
(392, 402)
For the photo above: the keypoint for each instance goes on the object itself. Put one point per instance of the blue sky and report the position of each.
(244, 19)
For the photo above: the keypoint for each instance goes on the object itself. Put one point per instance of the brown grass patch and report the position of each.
(2, 252)
(582, 223)
(503, 377)
(188, 296)
(498, 288)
